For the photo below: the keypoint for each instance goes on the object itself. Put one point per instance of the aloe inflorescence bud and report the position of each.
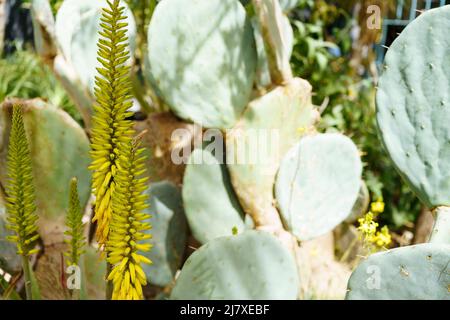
(20, 191)
(75, 238)
(128, 224)
(110, 127)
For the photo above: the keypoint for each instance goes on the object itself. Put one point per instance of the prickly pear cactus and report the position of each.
(411, 273)
(277, 120)
(93, 273)
(43, 28)
(413, 116)
(169, 233)
(76, 31)
(60, 151)
(361, 204)
(413, 105)
(286, 5)
(10, 261)
(318, 183)
(212, 208)
(202, 58)
(252, 265)
(262, 72)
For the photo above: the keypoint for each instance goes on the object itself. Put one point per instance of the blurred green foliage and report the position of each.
(322, 55)
(23, 75)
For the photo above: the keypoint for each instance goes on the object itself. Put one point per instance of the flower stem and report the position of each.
(27, 276)
(109, 284)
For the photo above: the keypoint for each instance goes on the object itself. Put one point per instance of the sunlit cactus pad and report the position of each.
(169, 232)
(202, 58)
(76, 29)
(413, 105)
(212, 208)
(252, 265)
(269, 127)
(318, 183)
(263, 72)
(59, 151)
(411, 273)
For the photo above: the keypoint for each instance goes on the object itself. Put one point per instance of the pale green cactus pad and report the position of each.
(212, 208)
(169, 233)
(93, 274)
(252, 265)
(202, 58)
(10, 261)
(76, 30)
(262, 71)
(286, 5)
(420, 272)
(361, 204)
(59, 151)
(413, 105)
(269, 127)
(318, 184)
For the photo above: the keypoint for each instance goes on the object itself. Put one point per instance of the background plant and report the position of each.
(322, 54)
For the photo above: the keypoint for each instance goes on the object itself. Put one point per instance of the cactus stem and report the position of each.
(441, 228)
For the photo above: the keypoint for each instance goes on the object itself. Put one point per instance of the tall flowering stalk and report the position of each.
(20, 200)
(110, 127)
(128, 224)
(75, 238)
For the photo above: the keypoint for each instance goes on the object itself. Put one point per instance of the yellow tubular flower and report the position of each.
(20, 200)
(110, 127)
(127, 225)
(75, 240)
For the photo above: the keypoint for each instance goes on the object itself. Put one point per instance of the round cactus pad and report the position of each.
(420, 272)
(212, 208)
(413, 105)
(169, 233)
(268, 128)
(76, 29)
(202, 58)
(252, 265)
(318, 184)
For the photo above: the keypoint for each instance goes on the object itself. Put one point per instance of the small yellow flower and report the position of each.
(367, 226)
(383, 238)
(377, 206)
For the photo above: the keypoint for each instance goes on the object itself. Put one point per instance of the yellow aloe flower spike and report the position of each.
(127, 225)
(20, 199)
(110, 127)
(75, 240)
